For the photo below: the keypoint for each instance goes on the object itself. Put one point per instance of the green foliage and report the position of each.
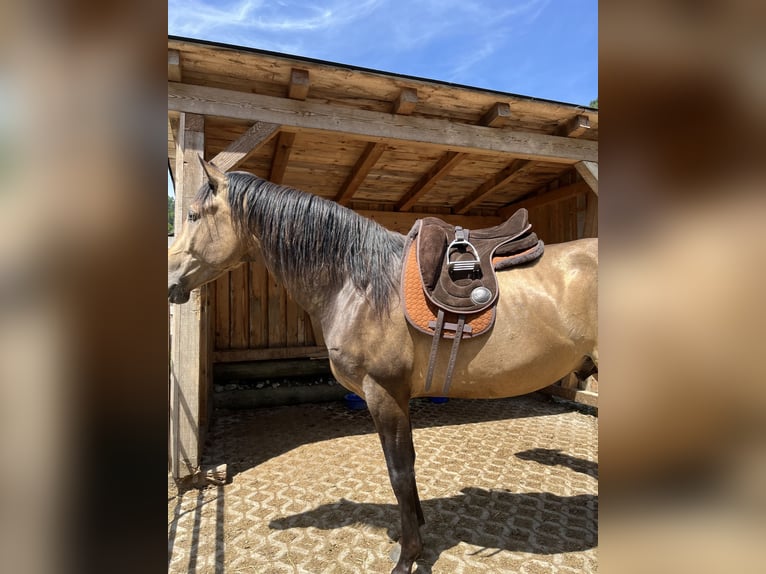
(171, 214)
(594, 103)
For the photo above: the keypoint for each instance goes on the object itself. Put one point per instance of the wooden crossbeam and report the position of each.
(405, 102)
(364, 164)
(588, 170)
(299, 84)
(505, 175)
(377, 126)
(574, 127)
(497, 116)
(590, 228)
(442, 167)
(238, 151)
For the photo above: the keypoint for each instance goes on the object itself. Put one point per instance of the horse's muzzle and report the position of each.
(177, 294)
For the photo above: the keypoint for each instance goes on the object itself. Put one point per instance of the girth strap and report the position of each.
(460, 328)
(434, 348)
(453, 353)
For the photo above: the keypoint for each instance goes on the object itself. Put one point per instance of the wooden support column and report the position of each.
(189, 360)
(588, 170)
(590, 228)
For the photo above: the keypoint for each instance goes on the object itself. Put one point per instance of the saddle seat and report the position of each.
(449, 283)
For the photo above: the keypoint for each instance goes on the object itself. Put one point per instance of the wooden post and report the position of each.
(188, 362)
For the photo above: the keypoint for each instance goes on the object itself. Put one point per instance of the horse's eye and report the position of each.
(193, 215)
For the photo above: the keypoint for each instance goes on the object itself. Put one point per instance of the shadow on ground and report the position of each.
(494, 520)
(246, 438)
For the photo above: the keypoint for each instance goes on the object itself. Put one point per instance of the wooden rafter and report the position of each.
(512, 170)
(238, 151)
(364, 164)
(558, 194)
(405, 102)
(299, 84)
(404, 105)
(377, 126)
(174, 66)
(574, 127)
(442, 167)
(298, 90)
(497, 116)
(282, 152)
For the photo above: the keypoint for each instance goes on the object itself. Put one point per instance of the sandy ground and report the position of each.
(507, 485)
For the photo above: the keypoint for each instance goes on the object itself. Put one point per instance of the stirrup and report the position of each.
(461, 245)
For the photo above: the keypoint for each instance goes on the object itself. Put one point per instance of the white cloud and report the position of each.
(200, 18)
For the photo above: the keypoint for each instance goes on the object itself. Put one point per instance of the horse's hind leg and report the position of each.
(392, 421)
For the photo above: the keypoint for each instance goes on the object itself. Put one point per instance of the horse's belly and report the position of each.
(495, 367)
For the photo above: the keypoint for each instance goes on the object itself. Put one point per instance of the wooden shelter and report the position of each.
(394, 148)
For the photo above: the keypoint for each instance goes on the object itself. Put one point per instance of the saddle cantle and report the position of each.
(449, 283)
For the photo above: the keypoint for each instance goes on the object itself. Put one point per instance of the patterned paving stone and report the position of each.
(507, 485)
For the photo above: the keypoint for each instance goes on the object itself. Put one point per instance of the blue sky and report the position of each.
(541, 48)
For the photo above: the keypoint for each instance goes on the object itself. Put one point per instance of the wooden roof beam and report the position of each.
(442, 167)
(377, 126)
(238, 151)
(512, 170)
(497, 116)
(369, 157)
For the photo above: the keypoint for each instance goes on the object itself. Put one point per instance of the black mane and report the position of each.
(308, 240)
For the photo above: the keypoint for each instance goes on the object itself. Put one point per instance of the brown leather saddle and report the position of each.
(449, 284)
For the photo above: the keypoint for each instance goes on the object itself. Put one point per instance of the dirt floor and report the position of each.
(506, 485)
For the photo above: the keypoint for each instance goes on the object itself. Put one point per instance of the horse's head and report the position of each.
(207, 245)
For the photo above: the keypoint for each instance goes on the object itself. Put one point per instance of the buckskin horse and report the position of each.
(346, 270)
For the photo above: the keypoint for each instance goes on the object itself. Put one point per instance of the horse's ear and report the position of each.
(214, 175)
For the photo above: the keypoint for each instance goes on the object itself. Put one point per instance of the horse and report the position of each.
(344, 270)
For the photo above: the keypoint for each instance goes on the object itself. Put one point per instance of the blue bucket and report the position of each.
(354, 402)
(438, 400)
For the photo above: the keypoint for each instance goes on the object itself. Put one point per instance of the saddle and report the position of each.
(449, 283)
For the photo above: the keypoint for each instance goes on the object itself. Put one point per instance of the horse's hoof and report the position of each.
(395, 553)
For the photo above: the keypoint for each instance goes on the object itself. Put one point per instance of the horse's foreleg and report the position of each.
(392, 421)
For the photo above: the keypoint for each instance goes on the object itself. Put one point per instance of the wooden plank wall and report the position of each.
(254, 312)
